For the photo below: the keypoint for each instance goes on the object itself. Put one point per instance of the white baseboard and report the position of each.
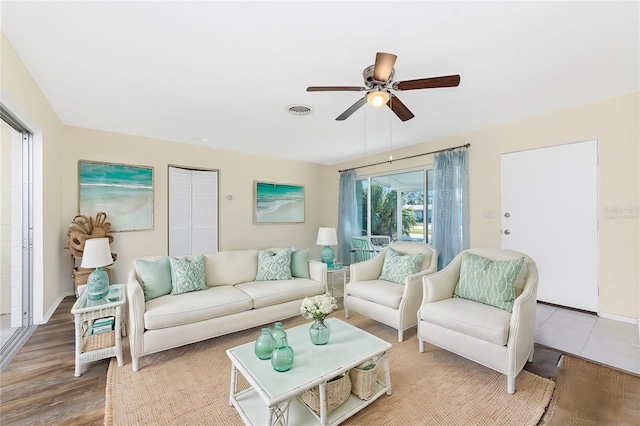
(619, 318)
(54, 306)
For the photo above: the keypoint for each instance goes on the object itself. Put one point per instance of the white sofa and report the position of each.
(389, 302)
(488, 335)
(232, 302)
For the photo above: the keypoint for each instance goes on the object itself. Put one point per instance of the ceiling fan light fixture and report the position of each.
(378, 98)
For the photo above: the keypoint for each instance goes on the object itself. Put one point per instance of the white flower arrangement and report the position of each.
(318, 307)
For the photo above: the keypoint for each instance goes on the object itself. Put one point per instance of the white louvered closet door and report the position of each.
(193, 212)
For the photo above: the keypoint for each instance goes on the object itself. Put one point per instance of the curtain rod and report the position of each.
(406, 158)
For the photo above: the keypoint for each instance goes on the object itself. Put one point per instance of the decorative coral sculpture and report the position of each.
(83, 228)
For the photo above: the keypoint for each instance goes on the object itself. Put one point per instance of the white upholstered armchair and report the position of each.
(488, 335)
(389, 302)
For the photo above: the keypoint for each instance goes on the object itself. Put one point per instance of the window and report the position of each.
(392, 207)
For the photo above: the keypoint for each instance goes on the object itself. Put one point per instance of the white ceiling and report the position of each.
(222, 73)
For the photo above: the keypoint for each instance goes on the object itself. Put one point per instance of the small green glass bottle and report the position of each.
(278, 332)
(282, 356)
(265, 344)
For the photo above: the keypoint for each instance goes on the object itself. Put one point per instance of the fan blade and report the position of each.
(384, 66)
(353, 108)
(399, 108)
(335, 89)
(428, 83)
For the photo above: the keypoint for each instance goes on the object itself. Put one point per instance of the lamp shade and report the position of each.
(97, 253)
(327, 237)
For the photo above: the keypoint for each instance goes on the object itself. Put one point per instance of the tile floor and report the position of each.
(602, 340)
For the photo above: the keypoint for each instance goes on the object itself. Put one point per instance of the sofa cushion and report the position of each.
(487, 281)
(274, 266)
(267, 293)
(299, 264)
(397, 267)
(187, 275)
(470, 318)
(155, 276)
(230, 267)
(382, 292)
(187, 308)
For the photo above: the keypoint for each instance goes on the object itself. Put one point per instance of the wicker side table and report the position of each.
(99, 346)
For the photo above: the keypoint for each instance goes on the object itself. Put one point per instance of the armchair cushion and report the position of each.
(469, 318)
(382, 292)
(397, 267)
(489, 282)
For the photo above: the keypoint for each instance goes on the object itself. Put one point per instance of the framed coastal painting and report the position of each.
(123, 192)
(278, 203)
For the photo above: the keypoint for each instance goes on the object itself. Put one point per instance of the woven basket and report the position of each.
(363, 382)
(98, 341)
(336, 392)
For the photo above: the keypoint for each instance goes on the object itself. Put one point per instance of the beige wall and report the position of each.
(614, 123)
(19, 88)
(238, 172)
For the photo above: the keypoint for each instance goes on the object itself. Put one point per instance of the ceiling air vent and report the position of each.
(300, 109)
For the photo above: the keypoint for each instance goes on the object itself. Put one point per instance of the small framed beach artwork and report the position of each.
(123, 192)
(278, 203)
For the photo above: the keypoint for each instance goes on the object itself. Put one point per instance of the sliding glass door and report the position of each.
(15, 234)
(393, 207)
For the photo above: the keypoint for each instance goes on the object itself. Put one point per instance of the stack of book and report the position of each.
(102, 325)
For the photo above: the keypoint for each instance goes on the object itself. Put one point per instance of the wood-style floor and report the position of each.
(38, 386)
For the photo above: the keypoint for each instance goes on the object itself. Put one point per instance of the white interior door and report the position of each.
(193, 211)
(550, 212)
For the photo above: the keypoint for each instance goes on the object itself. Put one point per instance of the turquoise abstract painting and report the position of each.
(123, 192)
(278, 203)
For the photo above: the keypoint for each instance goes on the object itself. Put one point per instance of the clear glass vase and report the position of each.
(265, 344)
(319, 332)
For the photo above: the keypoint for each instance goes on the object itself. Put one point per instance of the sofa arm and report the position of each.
(136, 304)
(318, 272)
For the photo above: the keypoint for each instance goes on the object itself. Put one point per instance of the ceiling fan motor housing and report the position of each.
(370, 82)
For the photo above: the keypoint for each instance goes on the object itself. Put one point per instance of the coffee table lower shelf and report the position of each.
(253, 411)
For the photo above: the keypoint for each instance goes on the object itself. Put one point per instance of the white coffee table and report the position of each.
(272, 396)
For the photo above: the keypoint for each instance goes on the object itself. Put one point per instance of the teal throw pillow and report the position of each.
(274, 266)
(487, 281)
(299, 264)
(187, 275)
(396, 267)
(156, 277)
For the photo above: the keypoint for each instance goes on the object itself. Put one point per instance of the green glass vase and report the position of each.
(265, 344)
(319, 332)
(282, 356)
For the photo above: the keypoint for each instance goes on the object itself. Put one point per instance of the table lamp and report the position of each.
(327, 237)
(97, 254)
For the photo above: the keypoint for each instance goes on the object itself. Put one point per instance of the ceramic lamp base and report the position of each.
(327, 255)
(97, 284)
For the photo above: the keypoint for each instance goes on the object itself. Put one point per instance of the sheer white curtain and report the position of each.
(450, 204)
(347, 215)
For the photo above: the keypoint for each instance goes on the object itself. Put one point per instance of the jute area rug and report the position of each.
(591, 394)
(190, 386)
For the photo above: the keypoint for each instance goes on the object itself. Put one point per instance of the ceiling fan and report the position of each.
(378, 83)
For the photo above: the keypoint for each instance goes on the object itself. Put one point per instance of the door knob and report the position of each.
(507, 215)
(507, 232)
